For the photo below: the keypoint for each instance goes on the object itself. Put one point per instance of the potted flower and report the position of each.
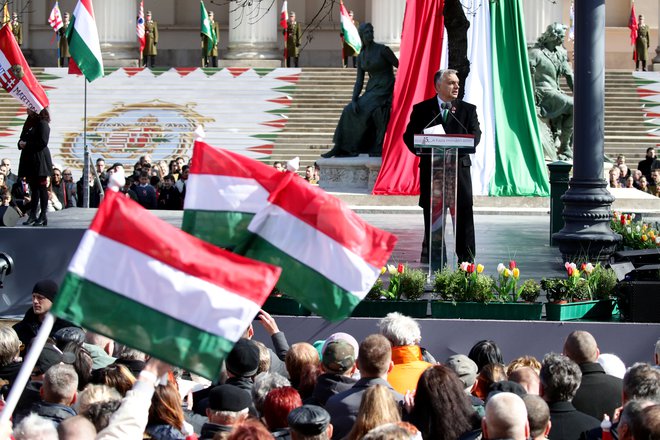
(635, 235)
(583, 294)
(469, 293)
(405, 287)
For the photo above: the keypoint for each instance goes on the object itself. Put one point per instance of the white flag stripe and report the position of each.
(85, 25)
(20, 90)
(162, 287)
(208, 192)
(327, 257)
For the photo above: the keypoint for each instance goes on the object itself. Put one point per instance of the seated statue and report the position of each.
(363, 122)
(548, 61)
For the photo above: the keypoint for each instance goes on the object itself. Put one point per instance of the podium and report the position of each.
(443, 150)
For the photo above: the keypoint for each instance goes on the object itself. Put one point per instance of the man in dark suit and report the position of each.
(560, 379)
(599, 393)
(459, 118)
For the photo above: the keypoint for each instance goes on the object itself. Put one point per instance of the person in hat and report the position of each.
(43, 295)
(151, 41)
(228, 406)
(310, 422)
(338, 365)
(466, 370)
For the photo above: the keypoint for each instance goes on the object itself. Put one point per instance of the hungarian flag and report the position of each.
(348, 29)
(284, 16)
(84, 46)
(139, 27)
(55, 18)
(330, 257)
(207, 28)
(16, 76)
(632, 24)
(224, 192)
(151, 286)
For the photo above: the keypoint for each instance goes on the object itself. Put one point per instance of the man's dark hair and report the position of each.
(485, 352)
(649, 424)
(642, 381)
(185, 168)
(560, 378)
(169, 177)
(374, 356)
(144, 174)
(100, 159)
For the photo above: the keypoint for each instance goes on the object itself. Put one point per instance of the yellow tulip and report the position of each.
(506, 273)
(383, 270)
(644, 237)
(516, 273)
(480, 268)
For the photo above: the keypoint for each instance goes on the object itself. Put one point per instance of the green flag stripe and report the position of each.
(519, 163)
(131, 323)
(311, 289)
(87, 62)
(225, 229)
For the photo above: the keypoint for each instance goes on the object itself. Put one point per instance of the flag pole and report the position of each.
(85, 176)
(25, 372)
(58, 49)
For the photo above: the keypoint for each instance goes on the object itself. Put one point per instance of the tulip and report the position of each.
(507, 273)
(583, 266)
(464, 266)
(644, 237)
(638, 228)
(569, 271)
(383, 270)
(480, 268)
(400, 268)
(623, 220)
(589, 268)
(657, 240)
(567, 265)
(471, 268)
(629, 230)
(516, 273)
(512, 264)
(500, 268)
(391, 269)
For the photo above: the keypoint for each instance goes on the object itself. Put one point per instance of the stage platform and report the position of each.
(44, 252)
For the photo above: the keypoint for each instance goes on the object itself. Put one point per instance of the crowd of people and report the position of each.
(646, 177)
(387, 386)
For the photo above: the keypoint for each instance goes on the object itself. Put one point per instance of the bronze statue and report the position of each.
(548, 61)
(363, 122)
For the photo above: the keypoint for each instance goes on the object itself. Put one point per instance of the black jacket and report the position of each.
(35, 158)
(327, 385)
(568, 423)
(28, 327)
(52, 411)
(599, 393)
(209, 430)
(428, 113)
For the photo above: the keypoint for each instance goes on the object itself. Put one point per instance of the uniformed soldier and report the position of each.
(151, 37)
(210, 53)
(642, 43)
(17, 29)
(64, 44)
(293, 40)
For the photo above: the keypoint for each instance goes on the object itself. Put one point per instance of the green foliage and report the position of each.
(376, 290)
(412, 283)
(530, 291)
(604, 282)
(461, 286)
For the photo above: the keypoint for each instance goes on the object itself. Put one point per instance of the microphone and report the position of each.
(433, 120)
(448, 106)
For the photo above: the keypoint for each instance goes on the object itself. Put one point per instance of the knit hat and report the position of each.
(228, 398)
(46, 288)
(338, 357)
(243, 360)
(309, 420)
(464, 367)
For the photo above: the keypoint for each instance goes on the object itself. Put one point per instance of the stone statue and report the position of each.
(363, 122)
(548, 61)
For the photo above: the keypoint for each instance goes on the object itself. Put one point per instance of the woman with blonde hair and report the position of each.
(378, 407)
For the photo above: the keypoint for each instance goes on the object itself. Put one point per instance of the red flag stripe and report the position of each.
(88, 5)
(126, 222)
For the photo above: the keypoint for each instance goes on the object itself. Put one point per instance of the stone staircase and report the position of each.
(322, 93)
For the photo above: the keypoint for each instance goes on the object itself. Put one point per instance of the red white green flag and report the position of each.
(330, 257)
(348, 29)
(83, 38)
(149, 285)
(15, 74)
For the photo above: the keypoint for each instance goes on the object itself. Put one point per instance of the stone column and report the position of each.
(387, 19)
(253, 35)
(656, 60)
(115, 20)
(586, 234)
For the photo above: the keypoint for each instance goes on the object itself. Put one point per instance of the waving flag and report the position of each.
(330, 257)
(633, 25)
(16, 76)
(207, 28)
(181, 300)
(139, 28)
(83, 38)
(284, 15)
(55, 18)
(348, 29)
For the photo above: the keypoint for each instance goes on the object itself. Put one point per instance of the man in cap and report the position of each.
(228, 406)
(151, 41)
(338, 364)
(466, 370)
(310, 422)
(43, 295)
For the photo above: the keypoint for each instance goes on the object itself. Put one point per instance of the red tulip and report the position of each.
(400, 268)
(471, 268)
(583, 266)
(512, 264)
